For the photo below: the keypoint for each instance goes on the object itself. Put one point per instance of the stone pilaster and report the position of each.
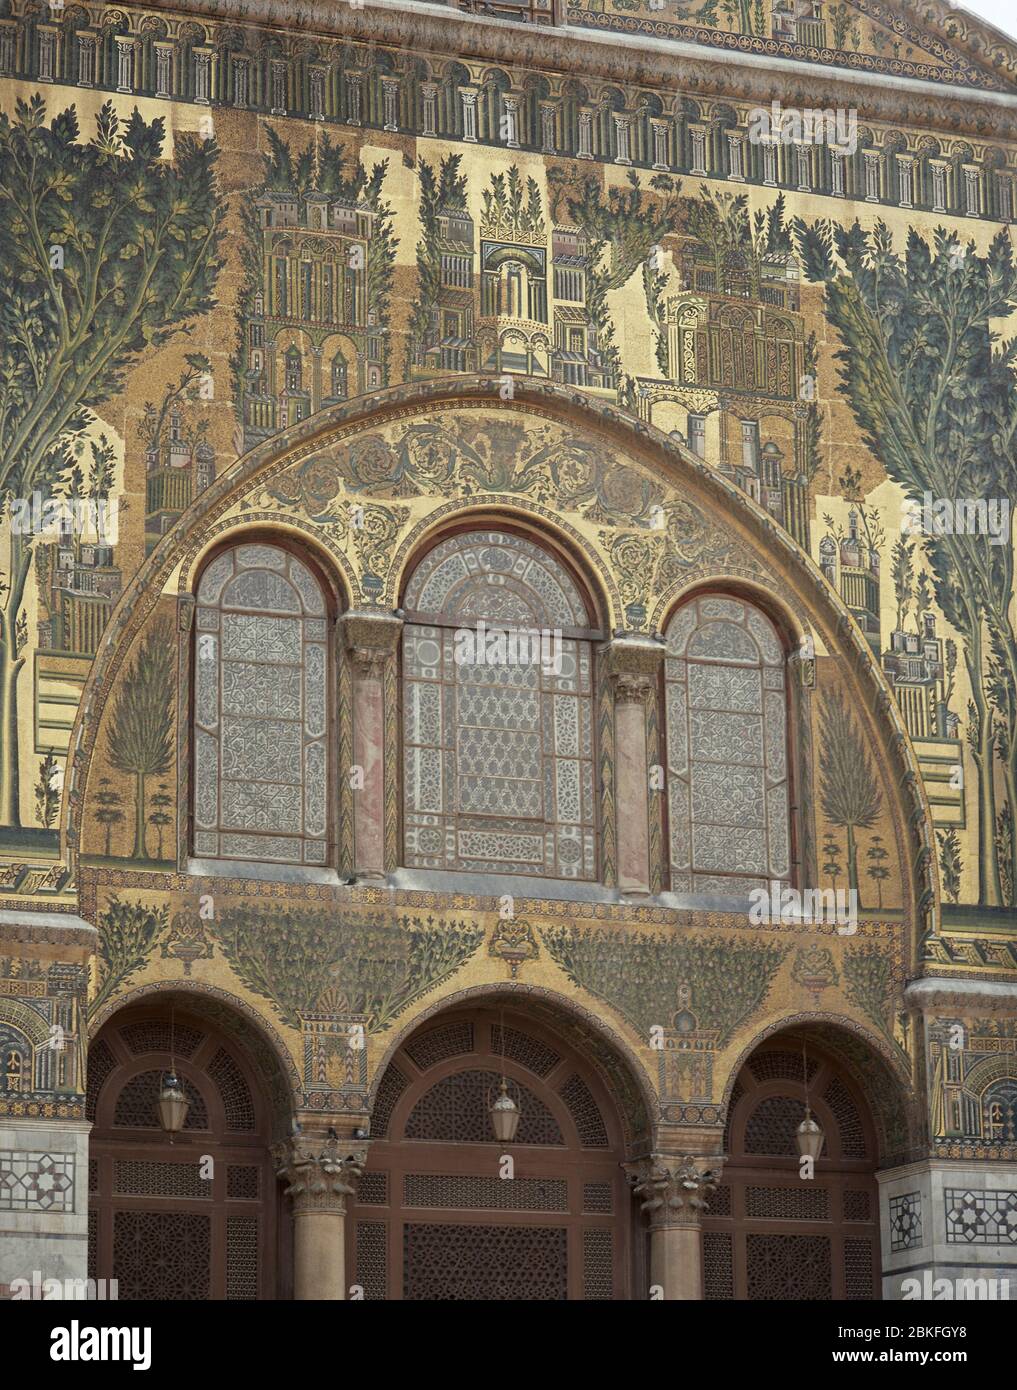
(948, 1214)
(371, 641)
(44, 959)
(320, 1173)
(633, 666)
(673, 1194)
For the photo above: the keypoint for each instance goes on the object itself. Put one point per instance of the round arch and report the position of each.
(657, 456)
(333, 566)
(565, 545)
(508, 254)
(615, 1056)
(791, 622)
(236, 1018)
(991, 1069)
(768, 1234)
(195, 1215)
(445, 1210)
(870, 1061)
(310, 555)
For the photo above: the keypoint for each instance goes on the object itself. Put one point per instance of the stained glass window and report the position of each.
(498, 712)
(260, 709)
(726, 748)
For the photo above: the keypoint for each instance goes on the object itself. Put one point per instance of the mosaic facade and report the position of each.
(391, 345)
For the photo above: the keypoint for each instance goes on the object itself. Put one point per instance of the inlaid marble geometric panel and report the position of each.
(40, 1182)
(498, 746)
(260, 762)
(726, 748)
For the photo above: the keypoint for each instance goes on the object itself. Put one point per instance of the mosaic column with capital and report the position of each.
(633, 666)
(319, 1174)
(371, 641)
(673, 1194)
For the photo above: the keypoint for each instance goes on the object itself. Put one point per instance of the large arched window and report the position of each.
(260, 709)
(498, 727)
(727, 752)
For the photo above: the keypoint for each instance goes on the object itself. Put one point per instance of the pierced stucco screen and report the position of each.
(726, 748)
(260, 710)
(498, 756)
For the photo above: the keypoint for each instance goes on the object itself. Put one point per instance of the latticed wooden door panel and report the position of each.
(162, 1221)
(780, 1267)
(162, 1255)
(435, 1217)
(770, 1234)
(467, 1262)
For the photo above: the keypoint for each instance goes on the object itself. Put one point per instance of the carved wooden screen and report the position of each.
(770, 1234)
(260, 709)
(498, 752)
(727, 750)
(437, 1218)
(162, 1221)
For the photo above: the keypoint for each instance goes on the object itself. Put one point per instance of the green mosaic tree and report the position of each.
(932, 387)
(108, 250)
(140, 737)
(152, 423)
(47, 795)
(100, 480)
(127, 933)
(831, 858)
(160, 816)
(850, 797)
(444, 191)
(622, 227)
(877, 856)
(903, 574)
(109, 812)
(950, 864)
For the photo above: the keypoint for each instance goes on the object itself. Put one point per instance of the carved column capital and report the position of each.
(320, 1173)
(633, 666)
(673, 1191)
(802, 663)
(631, 688)
(371, 639)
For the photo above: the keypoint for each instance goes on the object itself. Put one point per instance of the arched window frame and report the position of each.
(592, 635)
(332, 604)
(682, 878)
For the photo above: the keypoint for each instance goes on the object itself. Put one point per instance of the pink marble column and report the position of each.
(372, 643)
(633, 664)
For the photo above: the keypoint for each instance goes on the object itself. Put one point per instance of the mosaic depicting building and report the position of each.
(382, 327)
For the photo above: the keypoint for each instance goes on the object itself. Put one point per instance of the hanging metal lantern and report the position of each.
(505, 1115)
(809, 1136)
(172, 1105)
